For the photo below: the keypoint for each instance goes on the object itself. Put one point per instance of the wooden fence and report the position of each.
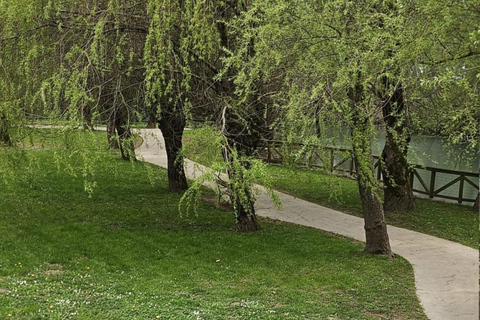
(341, 162)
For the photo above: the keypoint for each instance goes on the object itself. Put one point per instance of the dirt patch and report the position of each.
(213, 200)
(4, 291)
(53, 270)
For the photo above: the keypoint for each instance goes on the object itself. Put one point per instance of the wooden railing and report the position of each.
(341, 162)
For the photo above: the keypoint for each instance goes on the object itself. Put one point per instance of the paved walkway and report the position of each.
(446, 273)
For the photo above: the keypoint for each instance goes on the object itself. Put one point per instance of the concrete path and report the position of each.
(446, 273)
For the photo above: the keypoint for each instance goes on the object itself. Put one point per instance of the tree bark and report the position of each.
(87, 118)
(111, 134)
(152, 119)
(241, 196)
(127, 148)
(398, 192)
(377, 240)
(172, 123)
(246, 220)
(122, 126)
(4, 134)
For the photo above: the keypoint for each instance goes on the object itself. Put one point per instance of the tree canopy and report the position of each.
(251, 70)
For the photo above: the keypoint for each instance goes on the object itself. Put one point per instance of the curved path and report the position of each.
(446, 273)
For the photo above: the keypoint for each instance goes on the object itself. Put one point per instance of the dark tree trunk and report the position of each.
(127, 148)
(398, 191)
(243, 202)
(4, 134)
(246, 220)
(123, 139)
(152, 119)
(377, 240)
(172, 124)
(241, 196)
(111, 134)
(87, 118)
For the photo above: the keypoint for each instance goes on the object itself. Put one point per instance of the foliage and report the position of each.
(448, 100)
(249, 67)
(182, 38)
(235, 185)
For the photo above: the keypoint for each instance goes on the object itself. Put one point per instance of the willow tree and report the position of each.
(61, 60)
(189, 74)
(246, 113)
(25, 61)
(333, 52)
(179, 44)
(99, 48)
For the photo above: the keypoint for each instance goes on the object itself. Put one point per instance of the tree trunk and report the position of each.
(243, 129)
(377, 241)
(152, 119)
(127, 148)
(87, 118)
(241, 195)
(4, 134)
(246, 220)
(111, 134)
(398, 191)
(172, 124)
(122, 126)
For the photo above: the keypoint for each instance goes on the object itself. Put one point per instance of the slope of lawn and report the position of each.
(126, 253)
(448, 221)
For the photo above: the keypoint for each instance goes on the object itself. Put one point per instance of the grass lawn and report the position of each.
(126, 253)
(448, 221)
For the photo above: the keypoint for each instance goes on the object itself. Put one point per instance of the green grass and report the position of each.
(126, 253)
(448, 221)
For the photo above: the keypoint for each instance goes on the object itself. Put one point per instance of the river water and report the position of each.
(438, 153)
(434, 152)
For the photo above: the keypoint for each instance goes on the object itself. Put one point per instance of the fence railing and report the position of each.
(424, 180)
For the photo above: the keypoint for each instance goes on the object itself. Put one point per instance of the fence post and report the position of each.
(460, 189)
(432, 184)
(379, 169)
